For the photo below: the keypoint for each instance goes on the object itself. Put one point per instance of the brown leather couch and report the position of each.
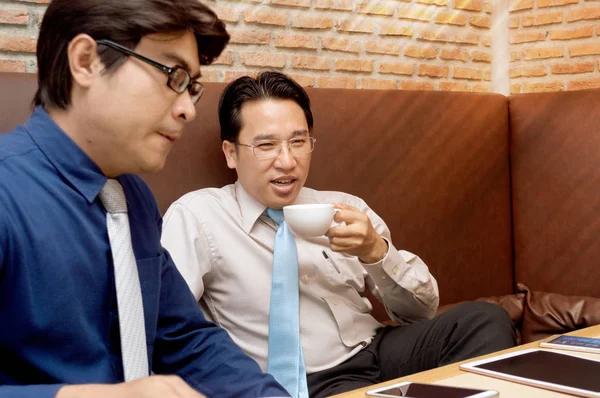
(499, 196)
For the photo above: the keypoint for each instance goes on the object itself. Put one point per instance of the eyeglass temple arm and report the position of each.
(127, 51)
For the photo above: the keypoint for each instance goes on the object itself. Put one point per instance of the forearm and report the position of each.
(210, 362)
(405, 286)
(200, 352)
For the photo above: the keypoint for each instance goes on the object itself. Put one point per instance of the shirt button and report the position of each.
(395, 270)
(305, 279)
(383, 277)
(335, 302)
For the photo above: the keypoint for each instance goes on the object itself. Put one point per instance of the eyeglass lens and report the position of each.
(179, 80)
(297, 146)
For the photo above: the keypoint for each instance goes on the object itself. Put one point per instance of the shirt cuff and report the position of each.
(30, 391)
(391, 271)
(387, 242)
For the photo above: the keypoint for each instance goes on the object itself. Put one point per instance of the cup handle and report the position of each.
(334, 223)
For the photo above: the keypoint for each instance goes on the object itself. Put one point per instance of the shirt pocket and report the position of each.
(344, 282)
(352, 315)
(342, 270)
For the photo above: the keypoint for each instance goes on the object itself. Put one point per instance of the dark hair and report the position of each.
(122, 21)
(267, 85)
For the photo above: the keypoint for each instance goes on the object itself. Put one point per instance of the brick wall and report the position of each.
(404, 44)
(396, 44)
(407, 44)
(554, 45)
(19, 24)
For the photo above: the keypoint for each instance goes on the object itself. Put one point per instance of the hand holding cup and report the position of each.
(357, 237)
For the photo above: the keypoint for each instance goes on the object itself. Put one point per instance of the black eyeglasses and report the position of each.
(179, 78)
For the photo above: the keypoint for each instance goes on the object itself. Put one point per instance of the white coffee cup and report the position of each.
(309, 220)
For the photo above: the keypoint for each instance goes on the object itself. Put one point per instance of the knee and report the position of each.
(484, 314)
(486, 326)
(493, 323)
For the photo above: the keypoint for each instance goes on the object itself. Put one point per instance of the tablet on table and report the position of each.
(562, 372)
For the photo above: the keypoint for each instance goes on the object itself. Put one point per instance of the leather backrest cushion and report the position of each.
(16, 95)
(546, 314)
(555, 163)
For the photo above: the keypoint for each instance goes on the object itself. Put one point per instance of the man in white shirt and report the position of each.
(222, 240)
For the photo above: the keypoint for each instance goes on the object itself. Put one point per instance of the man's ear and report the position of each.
(230, 152)
(84, 60)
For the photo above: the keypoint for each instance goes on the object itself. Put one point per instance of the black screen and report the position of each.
(551, 367)
(418, 390)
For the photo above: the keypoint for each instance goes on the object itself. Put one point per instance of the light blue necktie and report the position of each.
(285, 361)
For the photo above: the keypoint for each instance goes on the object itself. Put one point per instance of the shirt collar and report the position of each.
(65, 155)
(250, 208)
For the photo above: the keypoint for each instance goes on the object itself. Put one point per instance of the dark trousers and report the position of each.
(465, 331)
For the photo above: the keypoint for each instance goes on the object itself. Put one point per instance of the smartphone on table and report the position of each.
(409, 389)
(574, 343)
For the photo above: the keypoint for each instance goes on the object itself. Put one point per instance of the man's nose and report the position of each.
(285, 159)
(184, 107)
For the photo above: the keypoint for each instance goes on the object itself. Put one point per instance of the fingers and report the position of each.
(343, 206)
(346, 238)
(340, 231)
(356, 228)
(357, 237)
(342, 246)
(349, 215)
(182, 389)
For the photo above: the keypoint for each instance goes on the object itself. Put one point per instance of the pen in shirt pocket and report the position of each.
(328, 257)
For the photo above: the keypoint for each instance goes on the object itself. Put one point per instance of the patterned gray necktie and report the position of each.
(127, 282)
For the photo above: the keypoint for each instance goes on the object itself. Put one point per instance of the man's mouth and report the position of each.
(284, 181)
(170, 136)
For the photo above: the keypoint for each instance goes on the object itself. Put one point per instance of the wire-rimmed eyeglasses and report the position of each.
(268, 149)
(179, 79)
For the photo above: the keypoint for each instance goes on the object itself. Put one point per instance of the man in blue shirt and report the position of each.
(117, 82)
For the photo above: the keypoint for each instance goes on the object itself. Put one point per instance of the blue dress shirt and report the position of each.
(58, 307)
